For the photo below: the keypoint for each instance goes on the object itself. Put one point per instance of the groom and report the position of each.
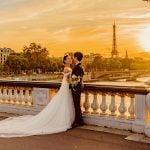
(76, 91)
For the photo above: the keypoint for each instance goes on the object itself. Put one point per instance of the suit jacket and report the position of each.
(78, 71)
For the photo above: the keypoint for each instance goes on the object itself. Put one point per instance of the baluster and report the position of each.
(30, 95)
(94, 104)
(112, 106)
(53, 92)
(18, 100)
(1, 95)
(131, 108)
(10, 96)
(122, 107)
(5, 95)
(21, 97)
(103, 105)
(86, 103)
(56, 90)
(15, 97)
(26, 97)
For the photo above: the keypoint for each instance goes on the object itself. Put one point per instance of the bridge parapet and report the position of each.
(122, 107)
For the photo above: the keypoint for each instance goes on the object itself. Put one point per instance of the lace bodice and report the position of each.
(67, 74)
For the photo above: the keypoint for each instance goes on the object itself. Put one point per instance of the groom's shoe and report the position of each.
(74, 125)
(81, 124)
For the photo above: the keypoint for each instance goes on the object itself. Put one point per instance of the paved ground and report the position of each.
(75, 139)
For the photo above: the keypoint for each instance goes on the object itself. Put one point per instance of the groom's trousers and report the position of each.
(78, 113)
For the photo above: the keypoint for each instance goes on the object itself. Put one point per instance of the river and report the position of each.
(144, 81)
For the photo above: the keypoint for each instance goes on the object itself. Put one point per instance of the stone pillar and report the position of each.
(147, 127)
(140, 114)
(40, 97)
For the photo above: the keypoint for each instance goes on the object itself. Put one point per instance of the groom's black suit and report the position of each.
(76, 93)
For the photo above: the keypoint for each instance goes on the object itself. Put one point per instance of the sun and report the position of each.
(144, 39)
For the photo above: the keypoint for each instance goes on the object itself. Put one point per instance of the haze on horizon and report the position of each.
(70, 25)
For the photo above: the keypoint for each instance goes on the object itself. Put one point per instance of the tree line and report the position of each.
(35, 58)
(100, 63)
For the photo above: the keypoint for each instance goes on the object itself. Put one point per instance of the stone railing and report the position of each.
(22, 97)
(122, 107)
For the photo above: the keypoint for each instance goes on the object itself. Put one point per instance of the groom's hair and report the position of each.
(78, 55)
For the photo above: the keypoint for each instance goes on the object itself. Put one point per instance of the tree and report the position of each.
(97, 63)
(54, 65)
(126, 62)
(88, 67)
(16, 63)
(114, 64)
(36, 56)
(1, 67)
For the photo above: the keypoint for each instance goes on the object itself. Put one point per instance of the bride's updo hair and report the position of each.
(65, 57)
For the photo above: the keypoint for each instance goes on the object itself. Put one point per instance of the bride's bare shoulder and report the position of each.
(67, 69)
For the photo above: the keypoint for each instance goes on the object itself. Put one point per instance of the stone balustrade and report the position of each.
(122, 107)
(22, 97)
(109, 104)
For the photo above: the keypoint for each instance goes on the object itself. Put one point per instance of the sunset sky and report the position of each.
(70, 25)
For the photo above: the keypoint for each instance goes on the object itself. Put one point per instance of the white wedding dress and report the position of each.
(57, 116)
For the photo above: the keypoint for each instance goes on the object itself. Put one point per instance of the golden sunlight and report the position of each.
(144, 39)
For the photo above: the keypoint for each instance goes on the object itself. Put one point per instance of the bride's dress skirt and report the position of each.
(57, 116)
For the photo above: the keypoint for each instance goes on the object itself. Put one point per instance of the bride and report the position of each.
(57, 116)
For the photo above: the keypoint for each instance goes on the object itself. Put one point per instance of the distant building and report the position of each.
(92, 55)
(89, 58)
(4, 53)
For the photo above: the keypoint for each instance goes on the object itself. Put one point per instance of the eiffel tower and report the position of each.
(114, 52)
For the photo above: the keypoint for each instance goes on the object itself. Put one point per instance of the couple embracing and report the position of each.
(62, 113)
(75, 82)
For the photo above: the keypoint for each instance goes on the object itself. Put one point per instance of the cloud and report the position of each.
(68, 23)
